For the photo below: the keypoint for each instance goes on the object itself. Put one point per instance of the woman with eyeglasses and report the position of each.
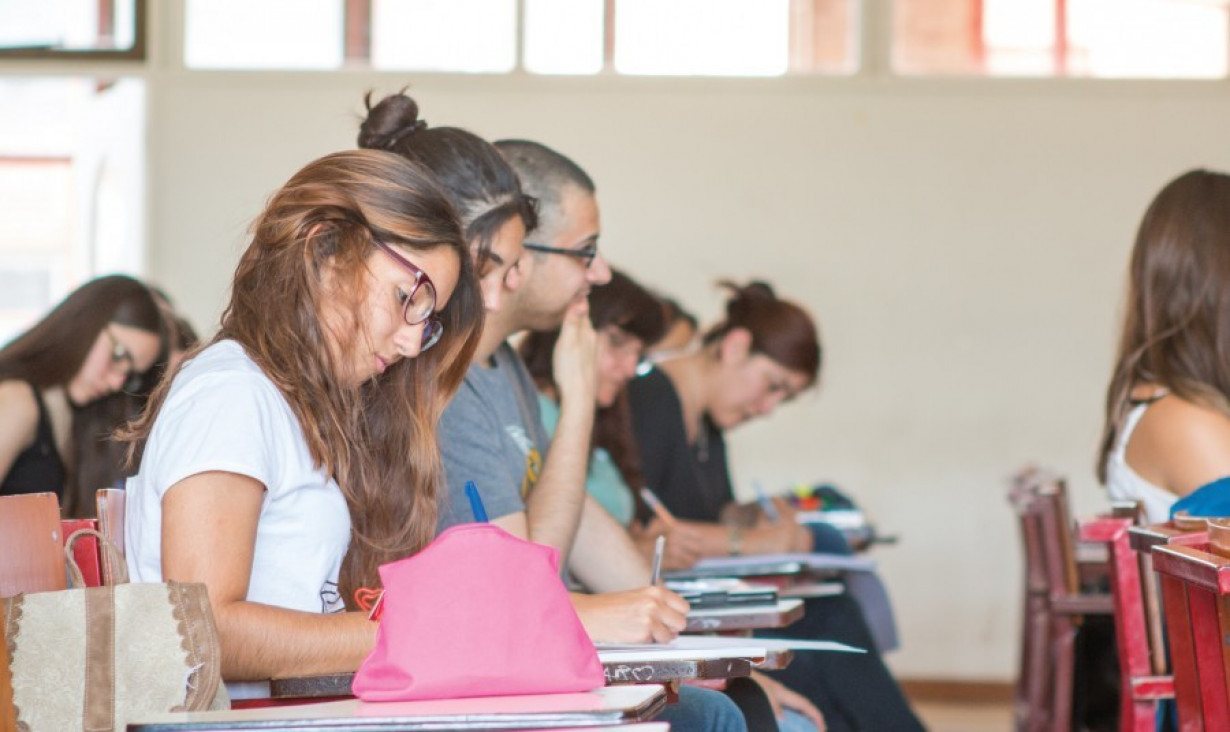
(297, 452)
(102, 338)
(764, 352)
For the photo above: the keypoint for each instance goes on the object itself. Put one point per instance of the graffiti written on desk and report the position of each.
(624, 673)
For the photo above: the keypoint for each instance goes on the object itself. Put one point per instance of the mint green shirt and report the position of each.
(603, 481)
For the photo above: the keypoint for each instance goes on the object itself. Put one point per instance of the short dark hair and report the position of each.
(545, 174)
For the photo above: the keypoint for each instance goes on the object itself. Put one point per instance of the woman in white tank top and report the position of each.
(1167, 429)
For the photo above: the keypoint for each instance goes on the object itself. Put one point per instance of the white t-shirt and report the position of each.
(224, 414)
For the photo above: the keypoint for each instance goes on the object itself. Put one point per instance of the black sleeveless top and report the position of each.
(38, 468)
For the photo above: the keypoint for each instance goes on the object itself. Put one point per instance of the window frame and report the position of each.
(138, 52)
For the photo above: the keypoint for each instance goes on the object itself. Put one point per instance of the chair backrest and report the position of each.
(110, 505)
(85, 551)
(1196, 587)
(1040, 500)
(31, 556)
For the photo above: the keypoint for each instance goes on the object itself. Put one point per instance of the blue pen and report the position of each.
(476, 502)
(766, 504)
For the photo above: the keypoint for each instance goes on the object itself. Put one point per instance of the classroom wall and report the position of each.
(962, 243)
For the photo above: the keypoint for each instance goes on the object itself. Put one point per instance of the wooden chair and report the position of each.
(1143, 681)
(1054, 604)
(110, 506)
(1182, 531)
(1196, 595)
(31, 557)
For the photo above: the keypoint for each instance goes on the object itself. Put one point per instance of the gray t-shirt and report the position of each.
(492, 433)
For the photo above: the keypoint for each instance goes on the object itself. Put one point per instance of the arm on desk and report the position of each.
(209, 535)
(718, 540)
(650, 614)
(604, 557)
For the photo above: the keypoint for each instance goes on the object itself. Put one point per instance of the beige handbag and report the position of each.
(90, 657)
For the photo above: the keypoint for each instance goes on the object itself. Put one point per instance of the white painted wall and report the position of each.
(963, 244)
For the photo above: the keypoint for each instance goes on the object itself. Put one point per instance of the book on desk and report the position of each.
(763, 565)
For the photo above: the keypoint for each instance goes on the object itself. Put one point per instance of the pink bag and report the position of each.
(479, 612)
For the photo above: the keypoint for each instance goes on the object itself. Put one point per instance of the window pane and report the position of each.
(1121, 38)
(1147, 38)
(476, 36)
(936, 37)
(1018, 37)
(70, 25)
(824, 36)
(263, 34)
(72, 196)
(702, 37)
(563, 36)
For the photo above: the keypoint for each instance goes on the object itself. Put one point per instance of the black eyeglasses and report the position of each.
(418, 305)
(121, 355)
(586, 253)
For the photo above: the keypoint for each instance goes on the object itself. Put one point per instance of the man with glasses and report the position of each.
(492, 432)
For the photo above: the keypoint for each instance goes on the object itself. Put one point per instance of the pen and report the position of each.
(476, 502)
(659, 509)
(658, 546)
(766, 503)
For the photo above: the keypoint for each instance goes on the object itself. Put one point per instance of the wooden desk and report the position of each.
(611, 705)
(620, 667)
(785, 612)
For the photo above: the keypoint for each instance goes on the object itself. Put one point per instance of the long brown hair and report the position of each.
(626, 305)
(1176, 328)
(780, 329)
(52, 351)
(378, 440)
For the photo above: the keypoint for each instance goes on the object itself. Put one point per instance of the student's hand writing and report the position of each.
(684, 542)
(650, 614)
(575, 360)
(782, 698)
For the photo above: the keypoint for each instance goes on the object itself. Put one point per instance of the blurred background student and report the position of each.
(102, 339)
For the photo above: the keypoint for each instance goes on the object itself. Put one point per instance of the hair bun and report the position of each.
(743, 299)
(392, 119)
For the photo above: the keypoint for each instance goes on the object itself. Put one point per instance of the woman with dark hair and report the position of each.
(102, 338)
(100, 458)
(764, 352)
(627, 318)
(1166, 440)
(297, 451)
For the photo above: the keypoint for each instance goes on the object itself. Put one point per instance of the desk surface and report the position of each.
(627, 663)
(611, 705)
(753, 617)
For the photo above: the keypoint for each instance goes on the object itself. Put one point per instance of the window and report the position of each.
(59, 29)
(71, 189)
(1087, 38)
(634, 37)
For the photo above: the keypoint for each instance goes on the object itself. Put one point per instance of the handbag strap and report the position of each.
(120, 567)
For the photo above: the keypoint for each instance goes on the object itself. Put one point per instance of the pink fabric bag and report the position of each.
(479, 612)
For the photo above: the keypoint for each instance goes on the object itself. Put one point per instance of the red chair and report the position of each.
(1142, 687)
(1188, 532)
(31, 554)
(1054, 604)
(1196, 595)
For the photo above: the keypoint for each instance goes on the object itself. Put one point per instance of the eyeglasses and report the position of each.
(418, 305)
(586, 253)
(122, 355)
